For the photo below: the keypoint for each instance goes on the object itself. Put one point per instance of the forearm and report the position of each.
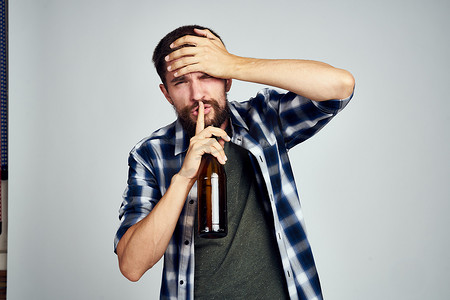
(311, 79)
(144, 243)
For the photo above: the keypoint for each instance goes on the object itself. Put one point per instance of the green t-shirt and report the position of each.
(246, 263)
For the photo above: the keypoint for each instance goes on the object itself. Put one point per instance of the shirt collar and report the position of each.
(236, 119)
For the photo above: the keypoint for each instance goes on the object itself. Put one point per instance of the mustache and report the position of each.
(212, 103)
(189, 124)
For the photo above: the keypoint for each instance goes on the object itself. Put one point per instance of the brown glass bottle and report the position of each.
(212, 198)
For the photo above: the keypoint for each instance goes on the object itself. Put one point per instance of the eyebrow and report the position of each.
(183, 78)
(178, 79)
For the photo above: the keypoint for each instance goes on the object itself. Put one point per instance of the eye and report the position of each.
(206, 76)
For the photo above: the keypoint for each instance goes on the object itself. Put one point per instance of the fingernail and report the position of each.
(166, 58)
(171, 45)
(169, 68)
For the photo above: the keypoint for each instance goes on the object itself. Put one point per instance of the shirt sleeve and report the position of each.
(300, 118)
(140, 196)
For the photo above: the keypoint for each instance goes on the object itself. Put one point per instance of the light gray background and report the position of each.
(374, 184)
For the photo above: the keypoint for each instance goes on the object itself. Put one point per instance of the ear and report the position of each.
(228, 85)
(166, 93)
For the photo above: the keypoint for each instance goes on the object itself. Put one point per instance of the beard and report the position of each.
(221, 114)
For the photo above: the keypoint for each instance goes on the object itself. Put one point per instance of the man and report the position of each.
(266, 254)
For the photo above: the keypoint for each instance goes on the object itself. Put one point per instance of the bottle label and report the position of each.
(215, 201)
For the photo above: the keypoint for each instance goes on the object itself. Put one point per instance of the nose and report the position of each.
(197, 90)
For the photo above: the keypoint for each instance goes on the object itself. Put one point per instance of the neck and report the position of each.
(225, 124)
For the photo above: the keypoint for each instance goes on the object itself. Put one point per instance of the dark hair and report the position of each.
(163, 47)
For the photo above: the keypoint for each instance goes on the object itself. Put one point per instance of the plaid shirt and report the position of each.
(267, 125)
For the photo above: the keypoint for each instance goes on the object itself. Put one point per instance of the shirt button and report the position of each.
(191, 201)
(186, 242)
(181, 282)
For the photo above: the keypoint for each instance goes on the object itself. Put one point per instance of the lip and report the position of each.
(207, 109)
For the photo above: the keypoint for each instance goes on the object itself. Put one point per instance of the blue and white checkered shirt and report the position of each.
(267, 125)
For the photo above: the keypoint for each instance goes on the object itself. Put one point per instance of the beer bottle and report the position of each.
(212, 198)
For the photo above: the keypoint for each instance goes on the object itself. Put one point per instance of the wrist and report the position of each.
(244, 68)
(180, 179)
(238, 63)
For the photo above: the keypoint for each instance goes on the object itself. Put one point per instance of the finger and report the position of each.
(213, 131)
(180, 63)
(205, 32)
(182, 52)
(192, 40)
(213, 147)
(188, 69)
(200, 118)
(209, 36)
(218, 152)
(181, 41)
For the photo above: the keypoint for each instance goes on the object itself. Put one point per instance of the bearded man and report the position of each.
(266, 254)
